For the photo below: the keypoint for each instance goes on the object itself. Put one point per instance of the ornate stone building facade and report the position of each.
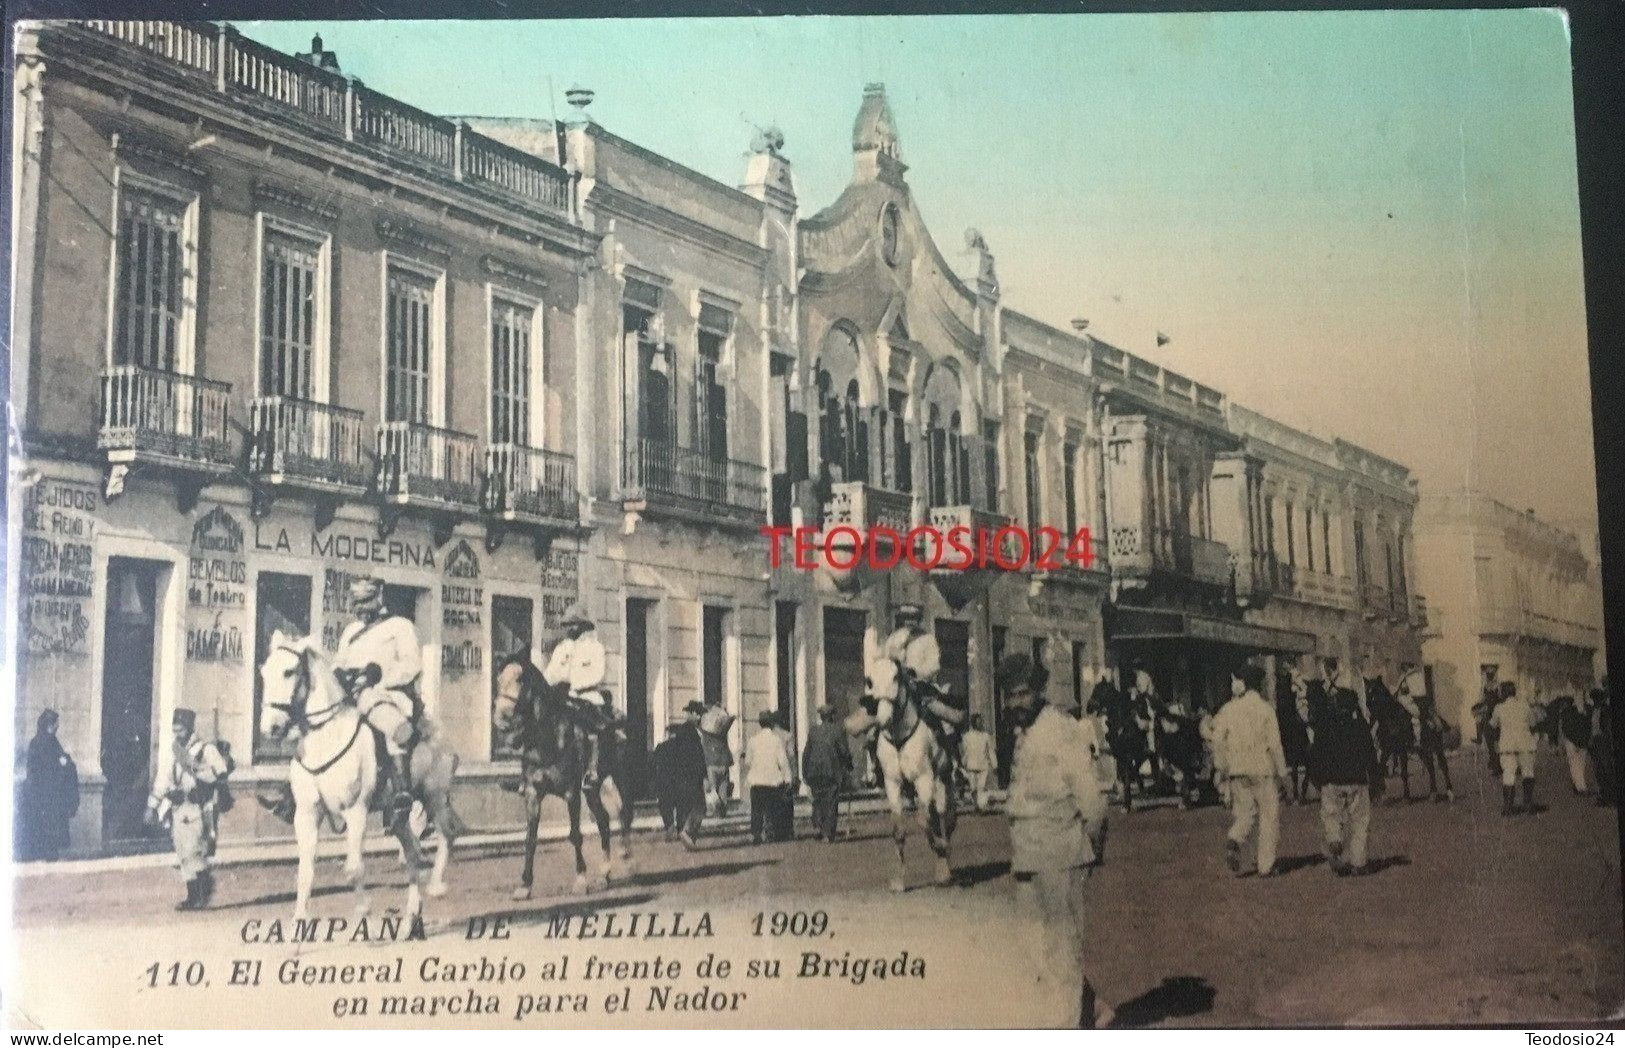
(507, 364)
(1511, 591)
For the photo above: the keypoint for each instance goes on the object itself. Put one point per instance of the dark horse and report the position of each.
(551, 749)
(1395, 732)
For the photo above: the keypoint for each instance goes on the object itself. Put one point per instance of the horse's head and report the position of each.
(286, 682)
(883, 688)
(512, 678)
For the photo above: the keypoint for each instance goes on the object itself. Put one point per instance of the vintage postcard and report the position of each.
(954, 521)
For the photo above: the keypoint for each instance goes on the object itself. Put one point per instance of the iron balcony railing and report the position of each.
(166, 415)
(661, 470)
(308, 442)
(528, 482)
(426, 464)
(221, 59)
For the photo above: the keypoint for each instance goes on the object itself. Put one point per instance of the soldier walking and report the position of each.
(188, 799)
(1057, 812)
(1247, 745)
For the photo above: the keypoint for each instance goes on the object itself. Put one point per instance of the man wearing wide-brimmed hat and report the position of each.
(380, 661)
(187, 800)
(578, 664)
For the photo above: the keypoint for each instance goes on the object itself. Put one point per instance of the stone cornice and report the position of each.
(405, 234)
(497, 266)
(271, 192)
(127, 146)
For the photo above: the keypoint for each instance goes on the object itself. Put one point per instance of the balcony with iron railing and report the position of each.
(1138, 552)
(663, 478)
(219, 59)
(428, 467)
(309, 445)
(167, 418)
(531, 486)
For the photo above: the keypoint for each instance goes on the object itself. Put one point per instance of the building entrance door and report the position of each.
(129, 652)
(843, 673)
(638, 680)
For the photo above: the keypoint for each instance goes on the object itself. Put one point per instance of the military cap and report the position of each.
(184, 718)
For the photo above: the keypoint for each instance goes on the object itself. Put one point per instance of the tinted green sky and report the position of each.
(1365, 223)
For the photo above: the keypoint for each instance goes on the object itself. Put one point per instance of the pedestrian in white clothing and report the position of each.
(767, 773)
(1247, 746)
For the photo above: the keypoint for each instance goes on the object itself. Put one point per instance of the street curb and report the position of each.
(283, 851)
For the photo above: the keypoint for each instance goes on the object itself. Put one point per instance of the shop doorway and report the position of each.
(843, 674)
(129, 658)
(639, 684)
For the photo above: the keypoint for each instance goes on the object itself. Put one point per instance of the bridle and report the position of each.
(296, 709)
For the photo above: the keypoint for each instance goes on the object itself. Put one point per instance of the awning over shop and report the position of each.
(1140, 624)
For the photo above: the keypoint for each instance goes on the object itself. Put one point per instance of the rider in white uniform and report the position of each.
(920, 659)
(379, 660)
(578, 662)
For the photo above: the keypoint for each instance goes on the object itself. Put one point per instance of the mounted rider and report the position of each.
(919, 660)
(578, 663)
(379, 663)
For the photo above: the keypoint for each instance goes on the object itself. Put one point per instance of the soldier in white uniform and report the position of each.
(379, 662)
(188, 799)
(578, 663)
(920, 659)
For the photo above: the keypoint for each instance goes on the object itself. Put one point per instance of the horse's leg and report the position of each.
(355, 866)
(304, 832)
(891, 774)
(412, 856)
(620, 810)
(600, 815)
(940, 825)
(533, 819)
(572, 800)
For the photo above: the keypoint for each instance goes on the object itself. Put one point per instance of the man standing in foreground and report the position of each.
(1342, 761)
(1057, 811)
(1247, 745)
(187, 800)
(825, 763)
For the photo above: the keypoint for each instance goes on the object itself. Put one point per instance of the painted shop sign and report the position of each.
(461, 607)
(217, 575)
(358, 546)
(216, 590)
(58, 567)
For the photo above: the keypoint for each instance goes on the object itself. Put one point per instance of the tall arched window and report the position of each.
(843, 422)
(948, 480)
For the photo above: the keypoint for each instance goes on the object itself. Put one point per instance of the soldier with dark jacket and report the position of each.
(688, 775)
(1342, 763)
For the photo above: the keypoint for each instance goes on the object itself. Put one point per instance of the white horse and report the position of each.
(908, 749)
(335, 770)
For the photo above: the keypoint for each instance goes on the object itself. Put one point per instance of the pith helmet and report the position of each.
(909, 611)
(366, 587)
